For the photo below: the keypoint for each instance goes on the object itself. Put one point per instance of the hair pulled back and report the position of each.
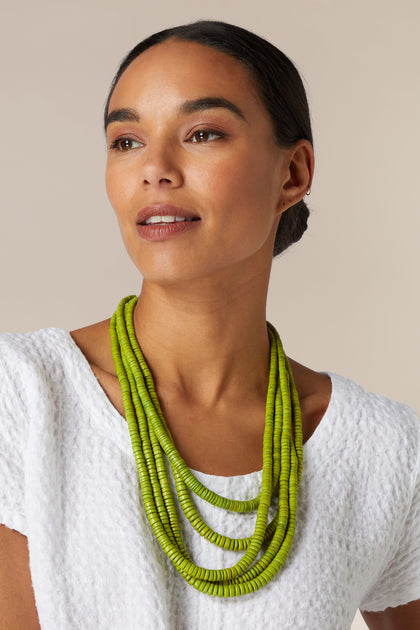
(278, 83)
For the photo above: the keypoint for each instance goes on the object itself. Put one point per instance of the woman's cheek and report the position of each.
(118, 188)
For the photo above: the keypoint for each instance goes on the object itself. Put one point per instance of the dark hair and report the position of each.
(279, 85)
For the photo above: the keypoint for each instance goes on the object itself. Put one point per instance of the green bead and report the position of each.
(151, 442)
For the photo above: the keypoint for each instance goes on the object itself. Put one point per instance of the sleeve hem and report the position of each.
(14, 521)
(410, 595)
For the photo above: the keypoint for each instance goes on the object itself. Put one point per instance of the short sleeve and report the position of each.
(399, 583)
(12, 444)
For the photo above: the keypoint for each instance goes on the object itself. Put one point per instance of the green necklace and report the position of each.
(151, 441)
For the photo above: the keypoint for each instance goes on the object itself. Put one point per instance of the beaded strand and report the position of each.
(151, 442)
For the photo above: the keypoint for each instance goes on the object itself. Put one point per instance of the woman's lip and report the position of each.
(165, 210)
(165, 231)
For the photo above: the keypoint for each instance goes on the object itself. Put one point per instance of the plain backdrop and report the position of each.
(346, 298)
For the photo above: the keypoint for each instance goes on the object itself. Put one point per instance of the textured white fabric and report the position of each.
(69, 482)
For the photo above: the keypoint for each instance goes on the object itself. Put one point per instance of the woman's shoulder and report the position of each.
(45, 358)
(45, 370)
(51, 345)
(21, 348)
(368, 408)
(372, 430)
(355, 428)
(29, 361)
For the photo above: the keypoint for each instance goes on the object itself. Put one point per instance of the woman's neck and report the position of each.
(205, 342)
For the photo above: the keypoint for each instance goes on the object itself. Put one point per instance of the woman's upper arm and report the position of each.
(405, 617)
(17, 601)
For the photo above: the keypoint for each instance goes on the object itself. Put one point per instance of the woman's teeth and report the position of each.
(166, 219)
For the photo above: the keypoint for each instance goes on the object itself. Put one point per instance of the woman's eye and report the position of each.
(125, 144)
(205, 135)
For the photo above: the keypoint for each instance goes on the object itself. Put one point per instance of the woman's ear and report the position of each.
(299, 174)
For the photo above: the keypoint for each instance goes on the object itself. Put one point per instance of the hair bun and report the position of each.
(292, 226)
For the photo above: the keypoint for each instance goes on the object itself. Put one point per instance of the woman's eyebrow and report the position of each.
(122, 114)
(209, 102)
(129, 114)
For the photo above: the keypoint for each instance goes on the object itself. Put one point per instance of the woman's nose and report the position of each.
(161, 166)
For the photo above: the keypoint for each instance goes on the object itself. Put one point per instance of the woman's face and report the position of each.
(193, 173)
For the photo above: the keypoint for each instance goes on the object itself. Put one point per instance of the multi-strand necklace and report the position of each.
(153, 446)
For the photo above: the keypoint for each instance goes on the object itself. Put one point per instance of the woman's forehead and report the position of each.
(187, 68)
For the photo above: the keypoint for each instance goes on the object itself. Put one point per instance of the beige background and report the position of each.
(347, 297)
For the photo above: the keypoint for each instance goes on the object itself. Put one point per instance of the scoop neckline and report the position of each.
(98, 399)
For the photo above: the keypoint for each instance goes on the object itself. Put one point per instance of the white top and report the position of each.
(68, 481)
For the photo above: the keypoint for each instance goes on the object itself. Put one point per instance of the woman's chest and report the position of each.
(104, 567)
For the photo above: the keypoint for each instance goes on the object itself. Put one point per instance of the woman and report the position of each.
(210, 157)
